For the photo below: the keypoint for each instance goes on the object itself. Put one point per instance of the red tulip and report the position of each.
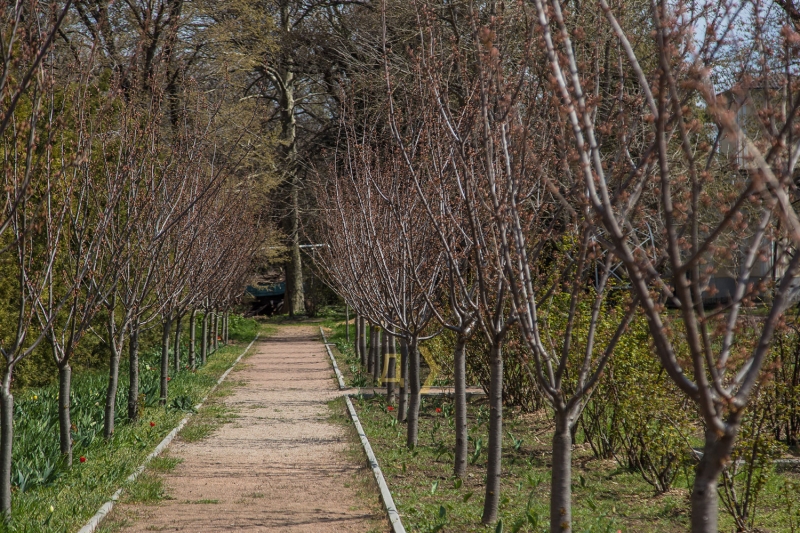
(82, 459)
(152, 424)
(438, 409)
(390, 408)
(169, 379)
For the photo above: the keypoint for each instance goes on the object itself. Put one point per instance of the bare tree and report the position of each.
(27, 32)
(37, 185)
(126, 155)
(469, 163)
(394, 268)
(137, 40)
(84, 276)
(548, 249)
(428, 151)
(721, 224)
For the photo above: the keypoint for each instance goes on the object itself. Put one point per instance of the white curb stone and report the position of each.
(386, 495)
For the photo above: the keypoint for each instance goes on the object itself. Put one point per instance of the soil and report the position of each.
(279, 466)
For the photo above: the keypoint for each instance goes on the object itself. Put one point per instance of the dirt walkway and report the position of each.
(278, 467)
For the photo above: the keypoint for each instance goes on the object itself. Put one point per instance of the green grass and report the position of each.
(606, 497)
(164, 463)
(146, 489)
(242, 329)
(114, 527)
(209, 418)
(362, 480)
(75, 494)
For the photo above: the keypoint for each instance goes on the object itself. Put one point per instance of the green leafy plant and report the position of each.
(477, 449)
(183, 403)
(751, 465)
(632, 415)
(515, 442)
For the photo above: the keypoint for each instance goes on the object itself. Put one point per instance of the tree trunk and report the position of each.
(192, 338)
(561, 477)
(64, 421)
(402, 407)
(111, 393)
(376, 354)
(460, 378)
(384, 370)
(347, 323)
(295, 299)
(391, 367)
(362, 340)
(204, 339)
(212, 332)
(6, 443)
(412, 417)
(216, 331)
(370, 354)
(357, 340)
(705, 504)
(165, 358)
(294, 268)
(176, 355)
(495, 446)
(133, 373)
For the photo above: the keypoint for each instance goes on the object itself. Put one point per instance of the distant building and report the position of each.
(746, 100)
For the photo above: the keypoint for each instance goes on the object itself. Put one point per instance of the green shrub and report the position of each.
(784, 402)
(240, 328)
(751, 462)
(636, 414)
(519, 389)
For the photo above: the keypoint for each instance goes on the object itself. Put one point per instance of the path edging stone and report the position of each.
(386, 494)
(339, 375)
(94, 522)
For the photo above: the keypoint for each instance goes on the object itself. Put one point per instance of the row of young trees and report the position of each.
(124, 206)
(560, 171)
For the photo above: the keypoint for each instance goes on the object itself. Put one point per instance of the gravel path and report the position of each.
(279, 466)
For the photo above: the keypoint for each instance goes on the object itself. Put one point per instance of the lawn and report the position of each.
(49, 497)
(607, 497)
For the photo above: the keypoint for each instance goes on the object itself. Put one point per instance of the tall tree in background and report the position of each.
(286, 45)
(136, 38)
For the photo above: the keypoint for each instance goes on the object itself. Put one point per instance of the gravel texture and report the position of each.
(279, 466)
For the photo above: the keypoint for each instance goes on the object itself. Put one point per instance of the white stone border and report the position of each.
(94, 522)
(339, 376)
(386, 494)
